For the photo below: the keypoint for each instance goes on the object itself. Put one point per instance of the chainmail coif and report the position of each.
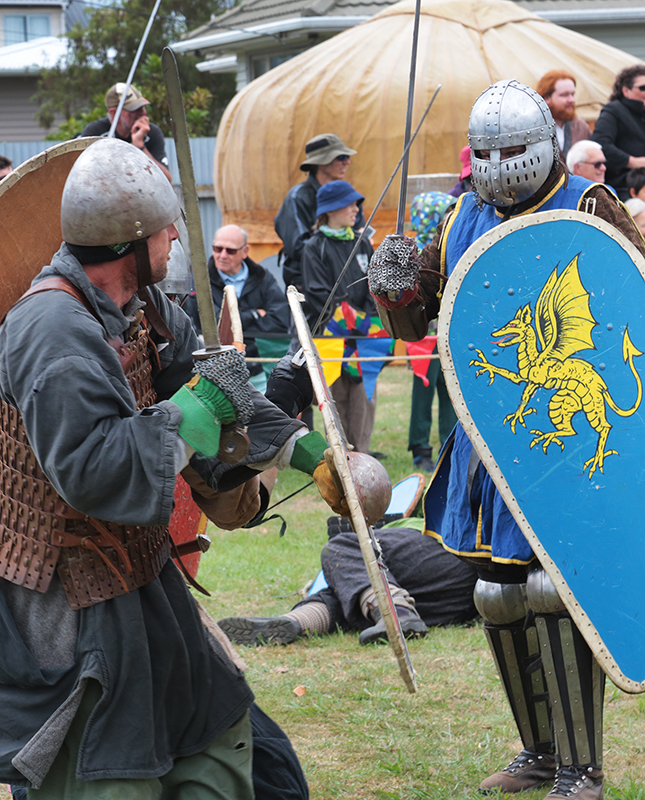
(228, 371)
(394, 266)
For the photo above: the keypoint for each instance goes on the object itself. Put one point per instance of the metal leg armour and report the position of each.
(576, 687)
(516, 653)
(574, 679)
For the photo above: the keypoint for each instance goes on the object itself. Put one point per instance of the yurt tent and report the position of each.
(355, 85)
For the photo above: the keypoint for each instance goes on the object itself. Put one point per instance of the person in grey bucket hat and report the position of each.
(325, 149)
(326, 159)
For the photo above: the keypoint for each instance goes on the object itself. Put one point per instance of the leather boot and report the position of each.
(411, 625)
(260, 630)
(581, 783)
(527, 770)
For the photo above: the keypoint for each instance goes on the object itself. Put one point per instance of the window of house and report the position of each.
(262, 64)
(25, 27)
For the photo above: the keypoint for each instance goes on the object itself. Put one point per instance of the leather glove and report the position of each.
(329, 485)
(228, 510)
(312, 456)
(289, 387)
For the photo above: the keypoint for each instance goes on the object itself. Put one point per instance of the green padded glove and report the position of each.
(204, 409)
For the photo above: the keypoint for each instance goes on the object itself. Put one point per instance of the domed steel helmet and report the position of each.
(115, 195)
(510, 114)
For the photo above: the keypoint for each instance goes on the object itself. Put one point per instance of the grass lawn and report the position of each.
(357, 731)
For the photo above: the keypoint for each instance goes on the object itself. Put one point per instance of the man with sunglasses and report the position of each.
(585, 158)
(133, 125)
(263, 307)
(327, 159)
(620, 128)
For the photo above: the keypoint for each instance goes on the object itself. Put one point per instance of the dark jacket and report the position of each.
(620, 130)
(154, 140)
(260, 291)
(294, 225)
(322, 261)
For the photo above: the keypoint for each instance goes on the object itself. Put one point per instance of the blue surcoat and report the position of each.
(463, 509)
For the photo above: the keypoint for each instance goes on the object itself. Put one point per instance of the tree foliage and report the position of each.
(101, 54)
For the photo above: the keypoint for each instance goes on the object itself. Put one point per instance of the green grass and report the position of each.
(357, 731)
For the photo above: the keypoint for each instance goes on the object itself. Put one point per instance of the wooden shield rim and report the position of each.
(22, 172)
(477, 249)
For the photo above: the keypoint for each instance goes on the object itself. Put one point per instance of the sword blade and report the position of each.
(400, 218)
(191, 202)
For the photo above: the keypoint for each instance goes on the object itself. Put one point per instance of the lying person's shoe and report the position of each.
(526, 771)
(261, 630)
(581, 783)
(411, 624)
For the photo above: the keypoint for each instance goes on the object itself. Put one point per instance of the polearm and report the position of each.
(369, 545)
(234, 443)
(135, 64)
(374, 210)
(191, 202)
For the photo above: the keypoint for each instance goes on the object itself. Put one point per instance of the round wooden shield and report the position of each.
(30, 231)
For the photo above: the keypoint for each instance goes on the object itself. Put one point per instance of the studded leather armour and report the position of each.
(40, 532)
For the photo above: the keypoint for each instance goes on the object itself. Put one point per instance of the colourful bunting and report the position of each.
(330, 348)
(420, 365)
(370, 370)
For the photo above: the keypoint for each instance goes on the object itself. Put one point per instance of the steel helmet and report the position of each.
(113, 194)
(510, 114)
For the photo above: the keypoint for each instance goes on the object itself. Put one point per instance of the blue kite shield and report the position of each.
(541, 337)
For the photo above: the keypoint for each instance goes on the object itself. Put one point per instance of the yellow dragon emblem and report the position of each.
(563, 325)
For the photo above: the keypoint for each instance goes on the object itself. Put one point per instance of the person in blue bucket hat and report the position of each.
(324, 256)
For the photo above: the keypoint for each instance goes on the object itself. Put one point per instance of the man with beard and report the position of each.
(558, 88)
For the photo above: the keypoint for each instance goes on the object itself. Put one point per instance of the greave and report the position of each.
(515, 650)
(576, 686)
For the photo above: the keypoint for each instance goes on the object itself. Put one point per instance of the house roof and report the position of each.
(29, 57)
(587, 12)
(257, 12)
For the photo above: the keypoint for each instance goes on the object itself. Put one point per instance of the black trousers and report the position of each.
(441, 585)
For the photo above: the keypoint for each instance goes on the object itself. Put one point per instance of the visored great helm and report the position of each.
(510, 114)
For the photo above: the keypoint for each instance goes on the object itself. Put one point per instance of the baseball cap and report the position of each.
(323, 149)
(466, 170)
(336, 194)
(134, 100)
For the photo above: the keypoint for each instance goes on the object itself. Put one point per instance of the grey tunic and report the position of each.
(167, 690)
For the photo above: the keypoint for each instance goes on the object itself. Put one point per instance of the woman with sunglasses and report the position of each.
(620, 128)
(324, 257)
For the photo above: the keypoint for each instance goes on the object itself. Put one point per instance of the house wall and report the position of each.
(17, 121)
(55, 13)
(628, 38)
